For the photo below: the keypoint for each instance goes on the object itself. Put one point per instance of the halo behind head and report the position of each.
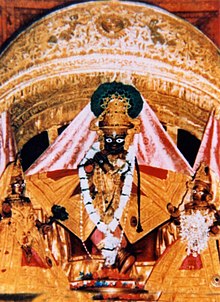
(107, 92)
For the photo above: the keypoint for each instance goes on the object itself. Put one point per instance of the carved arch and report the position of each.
(50, 70)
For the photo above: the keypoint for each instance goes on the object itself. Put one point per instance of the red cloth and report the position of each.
(32, 259)
(191, 263)
(159, 173)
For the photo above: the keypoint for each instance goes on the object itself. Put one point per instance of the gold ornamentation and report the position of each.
(216, 281)
(109, 185)
(203, 176)
(115, 117)
(45, 68)
(25, 253)
(112, 25)
(156, 36)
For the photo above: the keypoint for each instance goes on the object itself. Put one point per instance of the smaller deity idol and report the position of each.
(23, 251)
(106, 172)
(199, 212)
(200, 191)
(16, 192)
(195, 256)
(194, 218)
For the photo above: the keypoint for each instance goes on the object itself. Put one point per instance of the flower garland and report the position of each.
(110, 242)
(195, 231)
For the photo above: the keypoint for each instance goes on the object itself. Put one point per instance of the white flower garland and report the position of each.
(109, 251)
(195, 231)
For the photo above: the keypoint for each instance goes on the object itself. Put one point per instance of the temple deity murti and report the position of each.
(111, 208)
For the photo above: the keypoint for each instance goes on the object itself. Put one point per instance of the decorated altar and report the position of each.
(111, 210)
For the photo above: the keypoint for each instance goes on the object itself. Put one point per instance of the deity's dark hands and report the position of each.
(102, 160)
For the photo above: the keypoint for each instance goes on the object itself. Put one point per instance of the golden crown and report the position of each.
(203, 176)
(115, 116)
(116, 107)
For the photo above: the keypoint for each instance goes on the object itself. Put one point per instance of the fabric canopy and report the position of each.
(209, 151)
(154, 146)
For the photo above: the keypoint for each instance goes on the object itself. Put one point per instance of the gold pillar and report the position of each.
(173, 132)
(52, 134)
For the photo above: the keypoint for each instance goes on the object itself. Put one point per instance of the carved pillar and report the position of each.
(172, 131)
(52, 134)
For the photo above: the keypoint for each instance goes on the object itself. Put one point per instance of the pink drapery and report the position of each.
(7, 142)
(209, 151)
(155, 147)
(69, 148)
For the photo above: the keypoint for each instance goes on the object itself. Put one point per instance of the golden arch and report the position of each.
(50, 70)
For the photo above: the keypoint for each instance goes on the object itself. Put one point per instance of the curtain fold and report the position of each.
(154, 146)
(209, 151)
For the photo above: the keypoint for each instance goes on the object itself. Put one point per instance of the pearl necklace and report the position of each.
(110, 242)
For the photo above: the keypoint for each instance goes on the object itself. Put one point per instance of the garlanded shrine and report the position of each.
(112, 209)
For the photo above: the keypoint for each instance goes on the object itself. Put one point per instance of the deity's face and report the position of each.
(114, 143)
(200, 193)
(18, 187)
